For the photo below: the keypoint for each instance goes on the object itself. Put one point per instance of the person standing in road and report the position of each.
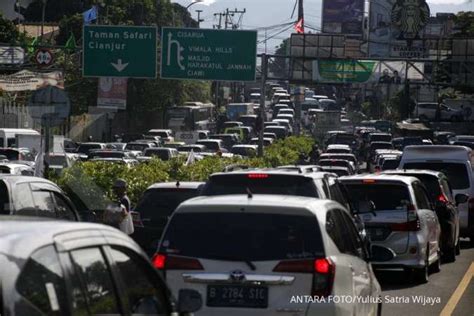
(120, 191)
(118, 215)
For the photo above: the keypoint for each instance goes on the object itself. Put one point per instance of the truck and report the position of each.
(325, 121)
(235, 110)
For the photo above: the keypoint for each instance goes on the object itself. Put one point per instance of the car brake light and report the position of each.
(442, 198)
(166, 262)
(159, 261)
(257, 176)
(323, 270)
(368, 181)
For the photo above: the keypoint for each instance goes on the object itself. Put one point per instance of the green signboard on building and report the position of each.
(343, 71)
(208, 54)
(119, 51)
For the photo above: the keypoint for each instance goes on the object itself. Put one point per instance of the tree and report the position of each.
(9, 33)
(464, 24)
(279, 65)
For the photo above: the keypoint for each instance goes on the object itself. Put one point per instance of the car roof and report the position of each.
(29, 233)
(274, 171)
(434, 173)
(13, 179)
(172, 185)
(280, 204)
(450, 152)
(380, 177)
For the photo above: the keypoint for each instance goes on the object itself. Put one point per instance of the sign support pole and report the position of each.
(262, 102)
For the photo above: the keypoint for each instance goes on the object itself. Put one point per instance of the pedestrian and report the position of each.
(314, 154)
(118, 214)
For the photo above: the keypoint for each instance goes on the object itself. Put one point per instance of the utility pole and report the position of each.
(219, 26)
(199, 20)
(301, 12)
(261, 113)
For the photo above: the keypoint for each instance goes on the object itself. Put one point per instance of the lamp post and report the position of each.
(43, 11)
(192, 3)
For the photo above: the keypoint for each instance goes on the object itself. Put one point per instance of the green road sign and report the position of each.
(119, 51)
(208, 54)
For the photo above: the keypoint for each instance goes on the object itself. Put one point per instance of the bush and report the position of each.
(89, 184)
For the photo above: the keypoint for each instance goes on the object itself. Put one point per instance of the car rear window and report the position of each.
(456, 172)
(158, 204)
(228, 236)
(162, 154)
(380, 138)
(261, 184)
(385, 197)
(11, 154)
(390, 164)
(430, 182)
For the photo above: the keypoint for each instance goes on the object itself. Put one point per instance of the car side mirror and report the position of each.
(381, 254)
(461, 198)
(189, 301)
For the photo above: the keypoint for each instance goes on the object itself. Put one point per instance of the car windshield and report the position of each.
(86, 148)
(11, 154)
(158, 204)
(384, 196)
(261, 184)
(107, 154)
(247, 121)
(380, 138)
(210, 145)
(196, 149)
(136, 147)
(456, 172)
(431, 183)
(331, 162)
(390, 164)
(270, 237)
(162, 154)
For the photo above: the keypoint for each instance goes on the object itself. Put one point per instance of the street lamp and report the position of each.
(194, 2)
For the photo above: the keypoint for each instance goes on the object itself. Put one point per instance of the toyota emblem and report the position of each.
(237, 276)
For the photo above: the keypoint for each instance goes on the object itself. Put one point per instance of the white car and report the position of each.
(457, 163)
(338, 149)
(398, 214)
(260, 254)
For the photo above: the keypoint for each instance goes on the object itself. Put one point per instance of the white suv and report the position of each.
(398, 214)
(457, 163)
(259, 255)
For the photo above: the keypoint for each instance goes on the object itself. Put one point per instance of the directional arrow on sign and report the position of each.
(119, 66)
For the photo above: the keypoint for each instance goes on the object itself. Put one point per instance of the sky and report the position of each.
(261, 14)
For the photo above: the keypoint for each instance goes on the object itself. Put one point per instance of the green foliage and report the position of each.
(89, 184)
(9, 33)
(465, 24)
(278, 66)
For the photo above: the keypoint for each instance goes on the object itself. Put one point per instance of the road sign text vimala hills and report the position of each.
(119, 51)
(208, 54)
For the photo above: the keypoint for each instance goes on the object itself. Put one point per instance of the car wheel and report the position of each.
(450, 255)
(421, 275)
(458, 247)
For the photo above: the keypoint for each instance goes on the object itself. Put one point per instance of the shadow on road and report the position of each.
(394, 280)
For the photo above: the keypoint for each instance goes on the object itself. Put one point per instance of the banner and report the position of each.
(112, 93)
(343, 16)
(384, 37)
(365, 71)
(26, 80)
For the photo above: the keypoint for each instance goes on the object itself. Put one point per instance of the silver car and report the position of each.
(398, 214)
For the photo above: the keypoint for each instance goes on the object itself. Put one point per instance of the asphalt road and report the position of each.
(450, 292)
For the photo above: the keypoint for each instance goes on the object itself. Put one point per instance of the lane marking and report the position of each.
(457, 295)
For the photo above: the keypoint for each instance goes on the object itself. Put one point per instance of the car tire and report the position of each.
(449, 255)
(421, 275)
(458, 247)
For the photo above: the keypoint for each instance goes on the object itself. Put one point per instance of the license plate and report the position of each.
(237, 296)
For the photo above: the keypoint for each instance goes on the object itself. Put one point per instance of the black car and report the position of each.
(64, 268)
(34, 196)
(445, 205)
(155, 207)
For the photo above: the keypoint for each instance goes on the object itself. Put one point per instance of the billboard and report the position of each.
(385, 38)
(112, 93)
(343, 16)
(365, 71)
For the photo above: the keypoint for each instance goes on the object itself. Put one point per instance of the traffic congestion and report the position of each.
(320, 236)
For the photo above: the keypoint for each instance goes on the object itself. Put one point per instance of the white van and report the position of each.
(8, 135)
(456, 162)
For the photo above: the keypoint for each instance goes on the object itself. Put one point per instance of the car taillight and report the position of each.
(323, 271)
(442, 198)
(257, 176)
(167, 262)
